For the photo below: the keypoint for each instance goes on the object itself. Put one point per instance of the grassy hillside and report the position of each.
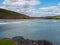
(52, 17)
(6, 14)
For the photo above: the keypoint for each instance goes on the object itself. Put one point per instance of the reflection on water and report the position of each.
(32, 29)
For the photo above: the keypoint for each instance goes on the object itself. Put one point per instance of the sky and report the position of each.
(35, 8)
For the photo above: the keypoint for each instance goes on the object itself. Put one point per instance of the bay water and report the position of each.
(34, 29)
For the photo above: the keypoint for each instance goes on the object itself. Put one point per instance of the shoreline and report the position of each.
(19, 40)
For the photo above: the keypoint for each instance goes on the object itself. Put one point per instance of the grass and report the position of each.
(7, 42)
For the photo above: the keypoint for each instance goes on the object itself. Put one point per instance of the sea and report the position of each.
(34, 29)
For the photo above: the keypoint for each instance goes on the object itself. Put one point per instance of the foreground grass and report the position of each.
(7, 42)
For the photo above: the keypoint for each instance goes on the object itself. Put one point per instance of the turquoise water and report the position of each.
(32, 29)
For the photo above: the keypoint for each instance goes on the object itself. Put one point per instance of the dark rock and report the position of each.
(28, 42)
(47, 42)
(21, 41)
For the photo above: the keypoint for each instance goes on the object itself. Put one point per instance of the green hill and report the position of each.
(52, 17)
(6, 14)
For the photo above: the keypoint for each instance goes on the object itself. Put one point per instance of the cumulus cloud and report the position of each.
(21, 6)
(21, 2)
(50, 11)
(27, 7)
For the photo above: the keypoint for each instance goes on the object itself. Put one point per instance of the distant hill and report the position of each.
(47, 17)
(51, 17)
(6, 14)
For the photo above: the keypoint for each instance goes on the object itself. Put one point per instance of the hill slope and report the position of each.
(51, 17)
(6, 14)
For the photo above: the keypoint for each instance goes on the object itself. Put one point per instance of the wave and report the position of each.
(13, 22)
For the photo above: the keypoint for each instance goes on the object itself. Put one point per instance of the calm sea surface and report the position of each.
(31, 29)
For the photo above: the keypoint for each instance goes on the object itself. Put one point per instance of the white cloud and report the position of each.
(51, 10)
(22, 6)
(21, 2)
(27, 7)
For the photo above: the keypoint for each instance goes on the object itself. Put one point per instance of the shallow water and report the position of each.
(32, 29)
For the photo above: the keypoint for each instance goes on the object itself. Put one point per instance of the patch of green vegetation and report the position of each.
(7, 42)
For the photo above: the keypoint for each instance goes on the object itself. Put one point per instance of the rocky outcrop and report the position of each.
(21, 41)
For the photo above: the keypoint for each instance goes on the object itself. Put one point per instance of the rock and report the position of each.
(21, 41)
(47, 42)
(28, 42)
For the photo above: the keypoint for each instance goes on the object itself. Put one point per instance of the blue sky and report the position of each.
(45, 3)
(32, 7)
(1, 1)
